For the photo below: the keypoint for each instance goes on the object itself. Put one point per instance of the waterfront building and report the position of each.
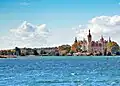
(23, 51)
(96, 46)
(91, 46)
(84, 45)
(39, 51)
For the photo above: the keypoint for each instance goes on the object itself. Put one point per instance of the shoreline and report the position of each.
(8, 56)
(67, 56)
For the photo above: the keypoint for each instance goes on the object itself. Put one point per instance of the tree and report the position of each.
(42, 52)
(35, 52)
(113, 47)
(65, 47)
(17, 51)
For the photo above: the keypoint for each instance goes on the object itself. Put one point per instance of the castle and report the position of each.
(89, 45)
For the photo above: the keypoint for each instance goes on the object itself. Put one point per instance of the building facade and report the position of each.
(89, 45)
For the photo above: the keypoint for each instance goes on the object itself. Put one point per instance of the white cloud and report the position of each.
(102, 25)
(61, 36)
(27, 35)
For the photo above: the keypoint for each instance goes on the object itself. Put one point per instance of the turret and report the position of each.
(89, 41)
(75, 40)
(102, 39)
(109, 39)
(89, 36)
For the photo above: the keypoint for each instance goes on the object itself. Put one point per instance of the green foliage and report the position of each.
(79, 48)
(115, 49)
(35, 52)
(113, 46)
(65, 47)
(72, 52)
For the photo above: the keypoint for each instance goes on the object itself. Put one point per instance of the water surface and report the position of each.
(60, 71)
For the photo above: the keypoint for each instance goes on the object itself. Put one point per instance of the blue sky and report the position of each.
(56, 14)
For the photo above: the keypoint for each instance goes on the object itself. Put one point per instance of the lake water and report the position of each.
(60, 71)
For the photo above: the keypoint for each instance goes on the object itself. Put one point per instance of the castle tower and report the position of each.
(89, 36)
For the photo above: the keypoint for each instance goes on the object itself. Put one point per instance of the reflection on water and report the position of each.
(63, 71)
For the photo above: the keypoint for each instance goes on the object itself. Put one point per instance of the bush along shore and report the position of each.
(64, 50)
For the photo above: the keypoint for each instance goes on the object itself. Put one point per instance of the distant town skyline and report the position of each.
(37, 23)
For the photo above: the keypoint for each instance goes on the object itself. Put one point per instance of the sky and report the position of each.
(37, 23)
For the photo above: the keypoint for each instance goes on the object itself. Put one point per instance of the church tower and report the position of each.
(89, 36)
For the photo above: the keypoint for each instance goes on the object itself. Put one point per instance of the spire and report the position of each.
(109, 39)
(89, 35)
(89, 31)
(102, 39)
(75, 39)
